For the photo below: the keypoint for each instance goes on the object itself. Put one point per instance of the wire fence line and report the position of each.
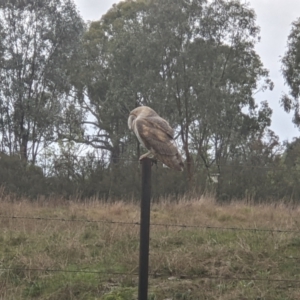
(288, 282)
(67, 271)
(154, 224)
(69, 220)
(156, 275)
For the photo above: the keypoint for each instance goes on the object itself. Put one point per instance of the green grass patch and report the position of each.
(83, 260)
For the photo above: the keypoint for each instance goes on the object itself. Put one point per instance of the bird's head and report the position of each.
(141, 111)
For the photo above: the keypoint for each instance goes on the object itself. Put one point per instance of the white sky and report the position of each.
(274, 18)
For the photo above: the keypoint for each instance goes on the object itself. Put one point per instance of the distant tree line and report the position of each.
(66, 88)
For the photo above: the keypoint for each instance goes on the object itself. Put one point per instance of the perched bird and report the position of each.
(155, 134)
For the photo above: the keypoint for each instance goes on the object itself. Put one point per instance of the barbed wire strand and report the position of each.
(155, 275)
(67, 271)
(154, 224)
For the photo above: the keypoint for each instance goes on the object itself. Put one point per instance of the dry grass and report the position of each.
(182, 260)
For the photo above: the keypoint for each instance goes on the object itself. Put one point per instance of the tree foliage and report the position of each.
(192, 61)
(67, 88)
(291, 72)
(39, 39)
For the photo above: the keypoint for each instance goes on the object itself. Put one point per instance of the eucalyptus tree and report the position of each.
(289, 180)
(192, 61)
(112, 76)
(291, 72)
(210, 72)
(39, 39)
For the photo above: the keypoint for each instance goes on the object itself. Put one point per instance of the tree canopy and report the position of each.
(38, 41)
(66, 89)
(192, 61)
(291, 72)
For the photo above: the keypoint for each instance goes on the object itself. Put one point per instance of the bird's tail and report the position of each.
(174, 162)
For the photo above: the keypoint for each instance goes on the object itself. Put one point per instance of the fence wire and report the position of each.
(292, 283)
(155, 275)
(208, 227)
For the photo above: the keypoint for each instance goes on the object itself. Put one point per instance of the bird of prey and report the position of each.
(156, 135)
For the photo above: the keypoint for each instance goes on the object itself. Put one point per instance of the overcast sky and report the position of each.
(274, 18)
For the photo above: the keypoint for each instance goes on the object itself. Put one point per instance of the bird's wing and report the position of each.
(156, 135)
(161, 124)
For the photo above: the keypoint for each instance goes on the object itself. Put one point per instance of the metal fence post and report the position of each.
(145, 229)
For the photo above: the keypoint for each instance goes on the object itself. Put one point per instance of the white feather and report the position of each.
(137, 133)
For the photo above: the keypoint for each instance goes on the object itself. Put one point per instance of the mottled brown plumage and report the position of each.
(155, 134)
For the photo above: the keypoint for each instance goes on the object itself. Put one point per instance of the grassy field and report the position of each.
(75, 259)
